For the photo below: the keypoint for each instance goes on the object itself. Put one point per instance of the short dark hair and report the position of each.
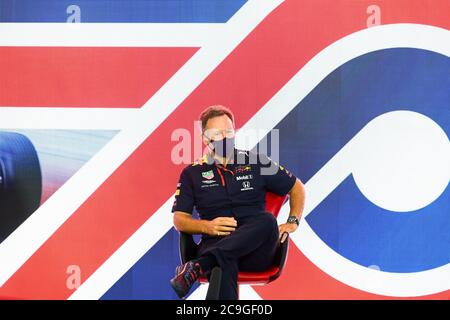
(215, 111)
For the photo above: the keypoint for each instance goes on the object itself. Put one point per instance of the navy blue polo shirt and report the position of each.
(237, 190)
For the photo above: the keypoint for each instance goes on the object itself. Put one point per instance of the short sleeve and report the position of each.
(277, 178)
(184, 194)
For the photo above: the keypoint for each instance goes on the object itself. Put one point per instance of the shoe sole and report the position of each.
(176, 289)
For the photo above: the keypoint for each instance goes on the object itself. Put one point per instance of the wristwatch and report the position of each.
(293, 219)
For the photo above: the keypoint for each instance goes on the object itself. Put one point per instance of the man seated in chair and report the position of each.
(228, 187)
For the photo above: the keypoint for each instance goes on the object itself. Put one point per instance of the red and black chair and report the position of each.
(188, 251)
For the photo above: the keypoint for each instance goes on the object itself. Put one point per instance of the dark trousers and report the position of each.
(251, 247)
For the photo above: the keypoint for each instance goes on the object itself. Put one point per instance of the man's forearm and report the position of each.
(297, 199)
(185, 223)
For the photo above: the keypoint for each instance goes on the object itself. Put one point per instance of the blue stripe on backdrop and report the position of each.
(321, 124)
(120, 10)
(357, 92)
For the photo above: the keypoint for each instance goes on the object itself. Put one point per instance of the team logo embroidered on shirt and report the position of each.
(246, 177)
(242, 169)
(208, 174)
(246, 186)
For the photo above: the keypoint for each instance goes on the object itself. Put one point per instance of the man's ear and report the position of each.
(205, 139)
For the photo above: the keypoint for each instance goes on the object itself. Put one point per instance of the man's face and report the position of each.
(218, 128)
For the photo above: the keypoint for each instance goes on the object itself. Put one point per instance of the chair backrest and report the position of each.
(274, 203)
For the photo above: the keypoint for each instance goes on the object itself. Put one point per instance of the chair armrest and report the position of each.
(280, 257)
(188, 247)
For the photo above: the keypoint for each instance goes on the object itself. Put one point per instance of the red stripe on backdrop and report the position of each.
(435, 13)
(245, 81)
(85, 77)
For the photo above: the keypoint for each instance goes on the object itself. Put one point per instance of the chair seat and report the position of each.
(253, 278)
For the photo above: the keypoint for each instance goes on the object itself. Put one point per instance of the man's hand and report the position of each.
(286, 227)
(221, 226)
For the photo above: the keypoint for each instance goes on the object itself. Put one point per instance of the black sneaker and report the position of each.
(185, 277)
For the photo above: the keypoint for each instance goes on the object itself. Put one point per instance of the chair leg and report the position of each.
(214, 284)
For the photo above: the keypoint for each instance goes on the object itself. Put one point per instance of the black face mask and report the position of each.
(223, 148)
